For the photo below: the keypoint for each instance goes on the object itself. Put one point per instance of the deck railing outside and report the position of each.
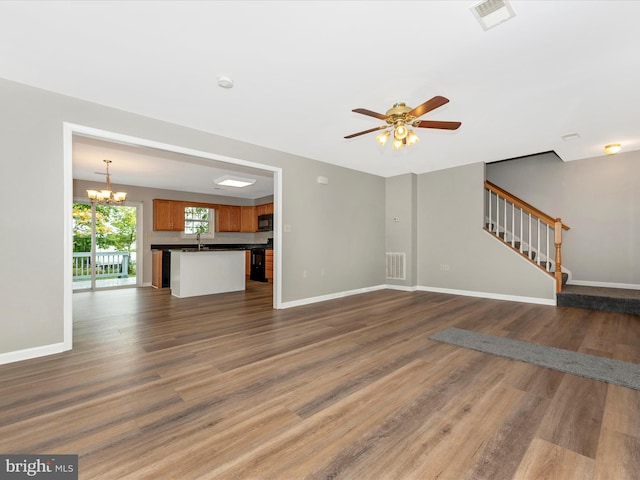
(108, 265)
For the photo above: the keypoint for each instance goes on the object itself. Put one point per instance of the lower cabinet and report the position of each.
(268, 265)
(156, 268)
(247, 263)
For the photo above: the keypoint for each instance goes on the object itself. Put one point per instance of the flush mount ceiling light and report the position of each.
(231, 181)
(491, 13)
(612, 148)
(106, 195)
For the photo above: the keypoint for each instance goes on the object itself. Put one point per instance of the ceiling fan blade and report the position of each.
(364, 111)
(436, 124)
(427, 106)
(367, 131)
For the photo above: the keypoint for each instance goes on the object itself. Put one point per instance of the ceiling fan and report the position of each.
(400, 117)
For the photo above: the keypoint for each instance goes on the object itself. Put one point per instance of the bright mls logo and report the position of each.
(45, 467)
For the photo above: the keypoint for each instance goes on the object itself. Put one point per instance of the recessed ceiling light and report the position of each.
(225, 82)
(491, 13)
(612, 148)
(231, 181)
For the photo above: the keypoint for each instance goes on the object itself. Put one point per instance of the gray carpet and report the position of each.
(589, 366)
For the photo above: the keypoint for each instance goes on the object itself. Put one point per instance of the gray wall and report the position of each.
(599, 198)
(452, 251)
(401, 216)
(336, 229)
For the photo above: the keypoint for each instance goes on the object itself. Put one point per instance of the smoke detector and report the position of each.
(225, 82)
(491, 13)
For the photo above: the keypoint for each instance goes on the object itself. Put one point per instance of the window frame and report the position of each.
(210, 233)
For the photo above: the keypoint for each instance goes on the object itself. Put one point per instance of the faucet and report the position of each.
(198, 239)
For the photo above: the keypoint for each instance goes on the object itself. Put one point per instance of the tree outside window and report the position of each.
(197, 220)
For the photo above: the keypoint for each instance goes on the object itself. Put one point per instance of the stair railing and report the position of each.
(525, 229)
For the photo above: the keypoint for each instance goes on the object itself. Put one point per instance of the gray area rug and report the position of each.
(598, 368)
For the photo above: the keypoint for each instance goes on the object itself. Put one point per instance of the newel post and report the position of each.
(558, 242)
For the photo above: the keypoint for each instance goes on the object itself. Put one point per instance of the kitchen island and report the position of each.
(204, 272)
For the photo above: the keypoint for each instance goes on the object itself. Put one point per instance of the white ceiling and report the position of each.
(299, 68)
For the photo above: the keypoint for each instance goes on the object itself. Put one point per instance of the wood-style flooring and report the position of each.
(224, 387)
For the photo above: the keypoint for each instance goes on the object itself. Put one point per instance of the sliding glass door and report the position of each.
(104, 246)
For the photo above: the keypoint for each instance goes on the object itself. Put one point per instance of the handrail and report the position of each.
(548, 219)
(535, 247)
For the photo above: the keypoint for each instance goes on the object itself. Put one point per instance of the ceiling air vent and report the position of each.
(492, 12)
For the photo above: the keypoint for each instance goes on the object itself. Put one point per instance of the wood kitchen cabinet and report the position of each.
(248, 219)
(247, 263)
(268, 265)
(265, 209)
(156, 268)
(228, 218)
(168, 215)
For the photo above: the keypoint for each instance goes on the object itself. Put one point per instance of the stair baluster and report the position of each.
(539, 253)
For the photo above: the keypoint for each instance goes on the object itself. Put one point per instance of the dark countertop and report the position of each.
(210, 246)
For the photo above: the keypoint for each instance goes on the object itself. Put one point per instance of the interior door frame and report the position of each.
(71, 129)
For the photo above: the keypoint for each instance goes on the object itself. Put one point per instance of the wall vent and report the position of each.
(396, 263)
(492, 12)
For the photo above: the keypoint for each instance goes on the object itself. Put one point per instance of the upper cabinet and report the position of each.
(168, 215)
(228, 218)
(248, 219)
(265, 209)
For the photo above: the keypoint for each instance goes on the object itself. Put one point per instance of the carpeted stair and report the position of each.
(620, 300)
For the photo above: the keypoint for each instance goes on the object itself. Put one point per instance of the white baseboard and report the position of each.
(29, 353)
(466, 293)
(585, 283)
(331, 296)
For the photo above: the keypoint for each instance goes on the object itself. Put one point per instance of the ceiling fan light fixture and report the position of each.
(397, 144)
(412, 138)
(383, 137)
(401, 131)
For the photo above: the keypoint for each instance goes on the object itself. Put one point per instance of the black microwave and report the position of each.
(265, 223)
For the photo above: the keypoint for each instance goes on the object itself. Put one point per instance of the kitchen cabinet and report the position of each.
(248, 219)
(268, 265)
(228, 218)
(168, 215)
(265, 209)
(247, 263)
(156, 268)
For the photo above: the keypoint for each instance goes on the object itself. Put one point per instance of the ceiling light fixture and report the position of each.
(231, 181)
(612, 148)
(106, 195)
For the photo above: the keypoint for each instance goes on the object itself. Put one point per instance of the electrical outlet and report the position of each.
(444, 267)
(305, 274)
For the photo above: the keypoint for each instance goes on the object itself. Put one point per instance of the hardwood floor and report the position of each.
(224, 387)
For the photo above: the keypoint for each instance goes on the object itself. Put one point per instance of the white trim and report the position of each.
(492, 296)
(331, 296)
(586, 283)
(402, 288)
(465, 293)
(34, 352)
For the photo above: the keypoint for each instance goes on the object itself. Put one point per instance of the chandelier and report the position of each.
(106, 195)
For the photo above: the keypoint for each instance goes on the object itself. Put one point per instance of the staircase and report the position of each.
(526, 230)
(538, 238)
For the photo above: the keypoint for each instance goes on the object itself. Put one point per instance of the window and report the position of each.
(198, 220)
